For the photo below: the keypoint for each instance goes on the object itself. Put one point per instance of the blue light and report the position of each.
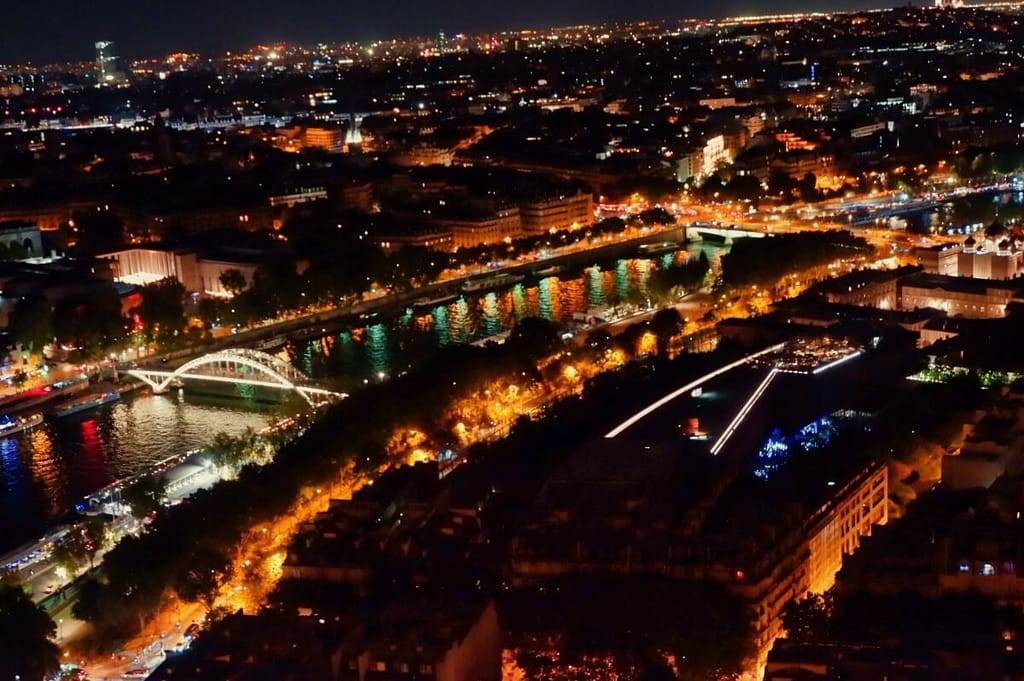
(778, 448)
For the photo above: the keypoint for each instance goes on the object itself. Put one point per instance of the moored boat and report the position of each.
(434, 301)
(9, 425)
(87, 402)
(496, 281)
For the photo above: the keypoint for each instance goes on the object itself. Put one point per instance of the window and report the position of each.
(965, 566)
(987, 569)
(380, 666)
(426, 669)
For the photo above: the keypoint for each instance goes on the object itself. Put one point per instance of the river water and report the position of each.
(376, 348)
(44, 472)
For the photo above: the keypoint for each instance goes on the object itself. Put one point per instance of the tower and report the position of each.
(108, 71)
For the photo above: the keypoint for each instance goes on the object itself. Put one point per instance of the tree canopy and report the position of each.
(26, 648)
(162, 310)
(765, 261)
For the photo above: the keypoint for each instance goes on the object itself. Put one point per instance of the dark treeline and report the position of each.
(765, 261)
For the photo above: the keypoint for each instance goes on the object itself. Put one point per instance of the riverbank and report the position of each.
(322, 321)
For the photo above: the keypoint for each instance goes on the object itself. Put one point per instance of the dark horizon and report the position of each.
(63, 30)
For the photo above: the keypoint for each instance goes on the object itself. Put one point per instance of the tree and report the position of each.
(656, 216)
(202, 579)
(70, 553)
(9, 577)
(88, 605)
(145, 496)
(162, 309)
(233, 452)
(31, 321)
(533, 337)
(629, 339)
(91, 322)
(808, 188)
(98, 231)
(95, 538)
(781, 186)
(26, 651)
(209, 311)
(807, 620)
(279, 284)
(665, 324)
(233, 280)
(743, 187)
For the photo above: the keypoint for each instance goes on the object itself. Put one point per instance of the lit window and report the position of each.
(988, 569)
(965, 566)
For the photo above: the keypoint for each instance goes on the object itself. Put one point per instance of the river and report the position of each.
(44, 472)
(375, 348)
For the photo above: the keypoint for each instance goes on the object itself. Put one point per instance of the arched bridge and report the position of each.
(240, 367)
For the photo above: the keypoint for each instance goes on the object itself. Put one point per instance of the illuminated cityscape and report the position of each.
(668, 349)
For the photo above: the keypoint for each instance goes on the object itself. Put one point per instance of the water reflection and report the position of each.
(393, 343)
(45, 471)
(596, 289)
(492, 315)
(377, 348)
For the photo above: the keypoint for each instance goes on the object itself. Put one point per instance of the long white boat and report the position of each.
(435, 301)
(269, 344)
(87, 402)
(496, 281)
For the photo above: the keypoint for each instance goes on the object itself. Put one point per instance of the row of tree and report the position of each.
(205, 531)
(765, 261)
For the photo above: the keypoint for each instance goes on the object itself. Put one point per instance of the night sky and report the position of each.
(65, 29)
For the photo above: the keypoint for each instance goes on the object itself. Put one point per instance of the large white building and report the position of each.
(197, 273)
(990, 254)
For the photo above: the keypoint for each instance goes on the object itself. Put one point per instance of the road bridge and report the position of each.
(721, 235)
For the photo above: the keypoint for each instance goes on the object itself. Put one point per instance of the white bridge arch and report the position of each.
(230, 366)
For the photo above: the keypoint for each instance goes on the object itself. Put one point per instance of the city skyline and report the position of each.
(65, 30)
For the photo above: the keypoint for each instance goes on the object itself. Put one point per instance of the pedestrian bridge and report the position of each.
(239, 367)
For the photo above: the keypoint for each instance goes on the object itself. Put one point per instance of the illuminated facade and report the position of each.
(957, 296)
(942, 259)
(562, 213)
(329, 139)
(435, 238)
(20, 240)
(715, 153)
(585, 525)
(141, 266)
(992, 254)
(865, 288)
(503, 224)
